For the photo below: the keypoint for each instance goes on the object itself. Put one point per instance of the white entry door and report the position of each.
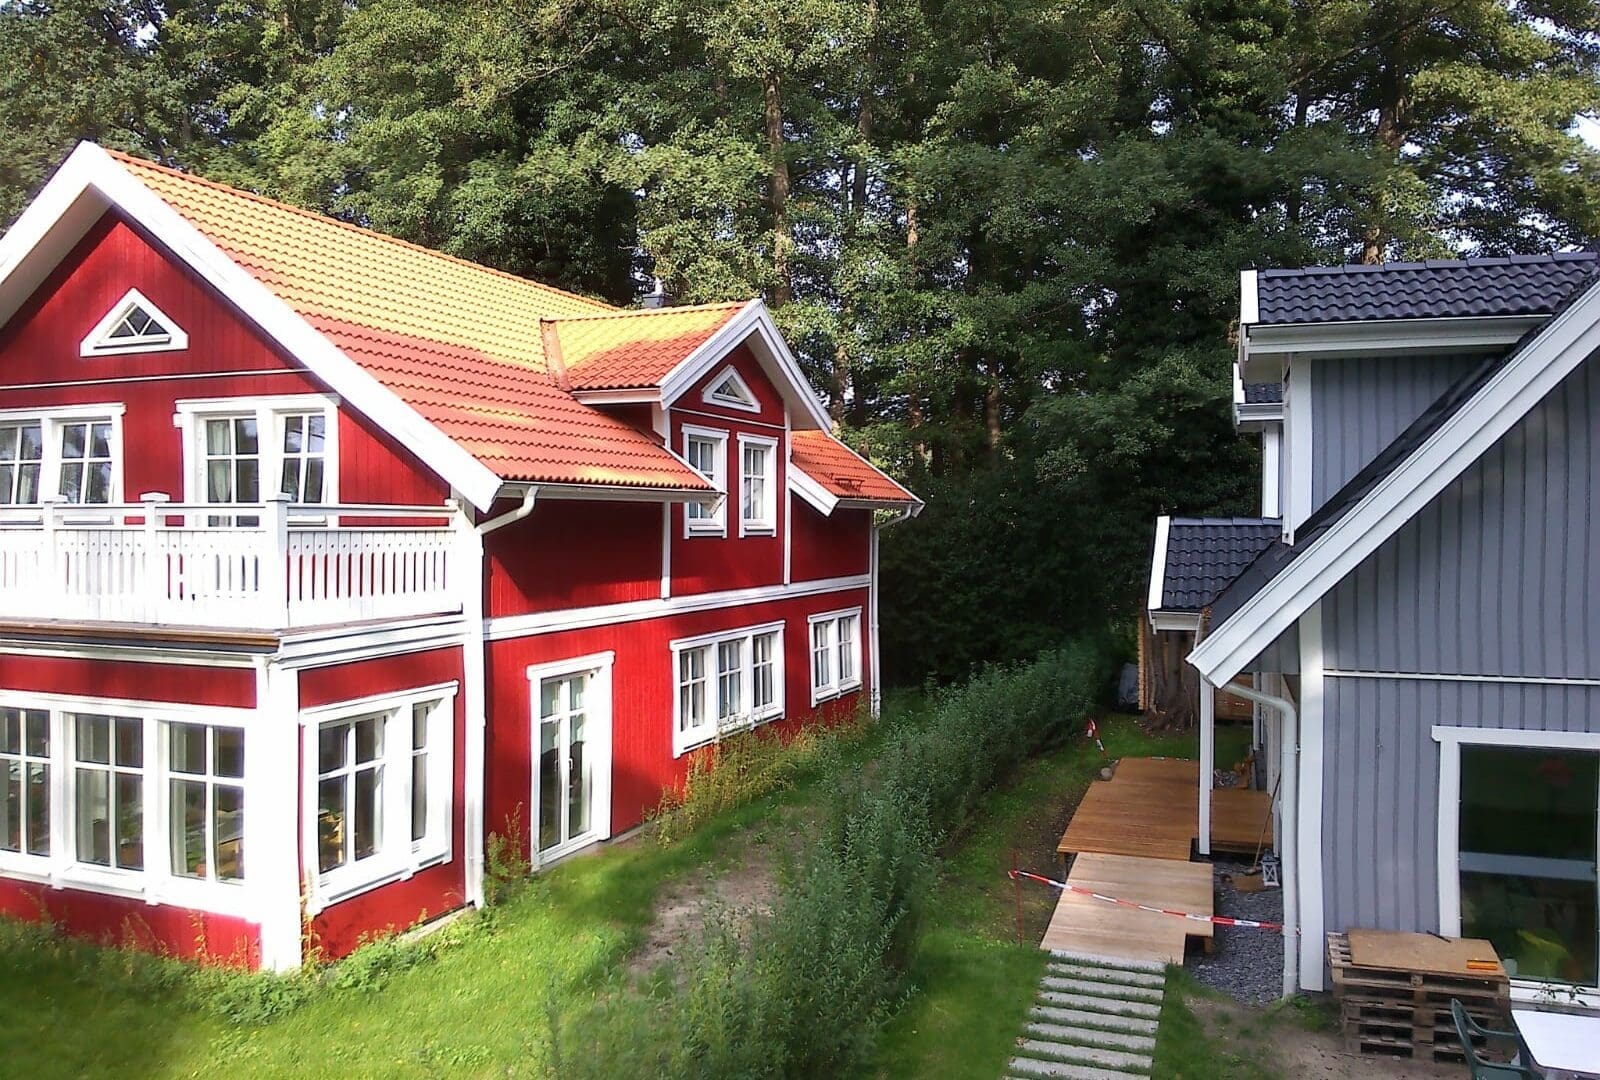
(572, 755)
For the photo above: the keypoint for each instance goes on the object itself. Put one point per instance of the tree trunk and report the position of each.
(1174, 684)
(991, 411)
(778, 195)
(1394, 115)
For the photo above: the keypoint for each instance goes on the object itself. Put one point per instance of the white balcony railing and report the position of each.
(266, 566)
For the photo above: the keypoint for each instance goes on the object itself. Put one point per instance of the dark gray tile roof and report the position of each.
(1515, 285)
(1204, 554)
(1263, 393)
(1277, 556)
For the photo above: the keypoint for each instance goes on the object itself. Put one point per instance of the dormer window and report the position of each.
(133, 325)
(730, 391)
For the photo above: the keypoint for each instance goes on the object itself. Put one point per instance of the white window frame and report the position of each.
(716, 523)
(765, 522)
(51, 419)
(269, 413)
(828, 622)
(155, 883)
(1448, 838)
(744, 716)
(742, 399)
(97, 342)
(398, 856)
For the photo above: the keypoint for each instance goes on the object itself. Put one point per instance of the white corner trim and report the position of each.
(753, 322)
(1158, 564)
(1509, 395)
(1299, 446)
(1249, 299)
(1308, 849)
(97, 342)
(90, 169)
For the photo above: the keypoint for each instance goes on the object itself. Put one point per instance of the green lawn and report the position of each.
(974, 980)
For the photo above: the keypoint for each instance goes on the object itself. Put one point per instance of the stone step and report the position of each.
(1097, 988)
(1117, 962)
(1116, 976)
(1060, 1070)
(1095, 1003)
(1132, 1025)
(1036, 1053)
(1083, 1036)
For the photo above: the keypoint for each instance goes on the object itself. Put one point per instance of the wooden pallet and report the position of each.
(1405, 1013)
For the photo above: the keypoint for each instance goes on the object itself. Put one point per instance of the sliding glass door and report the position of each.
(1530, 839)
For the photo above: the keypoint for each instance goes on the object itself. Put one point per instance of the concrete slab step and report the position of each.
(1117, 976)
(1096, 1003)
(1023, 1069)
(1036, 1050)
(1075, 1036)
(1120, 962)
(1097, 988)
(1100, 1021)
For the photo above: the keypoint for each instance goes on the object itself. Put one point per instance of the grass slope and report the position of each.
(974, 982)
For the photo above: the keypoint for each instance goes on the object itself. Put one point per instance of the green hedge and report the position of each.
(804, 991)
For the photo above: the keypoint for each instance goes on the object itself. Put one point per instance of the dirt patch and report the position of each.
(742, 891)
(1283, 1044)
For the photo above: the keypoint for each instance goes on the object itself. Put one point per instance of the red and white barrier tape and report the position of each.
(1216, 920)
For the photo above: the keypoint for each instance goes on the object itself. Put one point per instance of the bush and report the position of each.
(803, 992)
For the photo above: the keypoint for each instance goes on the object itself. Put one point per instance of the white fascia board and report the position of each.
(1370, 336)
(1249, 298)
(1187, 621)
(803, 485)
(1158, 564)
(621, 493)
(753, 322)
(648, 396)
(1510, 395)
(91, 169)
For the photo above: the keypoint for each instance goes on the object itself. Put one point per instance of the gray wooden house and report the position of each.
(1422, 628)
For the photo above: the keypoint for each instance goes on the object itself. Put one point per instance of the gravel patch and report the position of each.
(1245, 964)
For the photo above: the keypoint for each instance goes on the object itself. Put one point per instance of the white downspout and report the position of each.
(876, 698)
(1289, 801)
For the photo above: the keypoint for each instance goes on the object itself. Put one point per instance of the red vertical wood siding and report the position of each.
(712, 564)
(132, 923)
(39, 345)
(186, 683)
(574, 553)
(829, 547)
(340, 929)
(643, 689)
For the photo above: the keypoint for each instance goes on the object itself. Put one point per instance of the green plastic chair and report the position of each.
(1468, 1029)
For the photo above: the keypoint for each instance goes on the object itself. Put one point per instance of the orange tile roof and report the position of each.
(841, 471)
(456, 341)
(634, 349)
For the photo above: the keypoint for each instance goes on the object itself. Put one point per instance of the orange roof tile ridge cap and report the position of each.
(623, 313)
(554, 359)
(386, 237)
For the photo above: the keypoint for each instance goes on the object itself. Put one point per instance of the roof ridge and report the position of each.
(627, 312)
(329, 219)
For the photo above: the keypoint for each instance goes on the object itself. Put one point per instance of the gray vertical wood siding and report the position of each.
(1380, 770)
(1359, 405)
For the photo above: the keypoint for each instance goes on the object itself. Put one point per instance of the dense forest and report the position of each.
(1004, 237)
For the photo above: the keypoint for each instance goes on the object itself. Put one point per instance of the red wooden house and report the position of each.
(323, 556)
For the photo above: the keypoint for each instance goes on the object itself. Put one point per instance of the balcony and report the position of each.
(266, 566)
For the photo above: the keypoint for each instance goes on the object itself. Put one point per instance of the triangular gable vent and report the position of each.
(731, 392)
(133, 325)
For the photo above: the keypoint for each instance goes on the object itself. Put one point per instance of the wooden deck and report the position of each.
(1150, 808)
(1090, 927)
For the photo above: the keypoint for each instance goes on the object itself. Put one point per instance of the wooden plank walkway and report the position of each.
(1150, 808)
(1083, 926)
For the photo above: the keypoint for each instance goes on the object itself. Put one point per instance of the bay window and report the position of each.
(757, 485)
(68, 454)
(380, 784)
(706, 451)
(835, 654)
(748, 668)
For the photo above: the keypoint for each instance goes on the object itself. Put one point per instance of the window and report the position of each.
(748, 669)
(757, 485)
(133, 325)
(706, 452)
(71, 454)
(382, 789)
(242, 448)
(205, 806)
(25, 771)
(835, 654)
(108, 790)
(730, 391)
